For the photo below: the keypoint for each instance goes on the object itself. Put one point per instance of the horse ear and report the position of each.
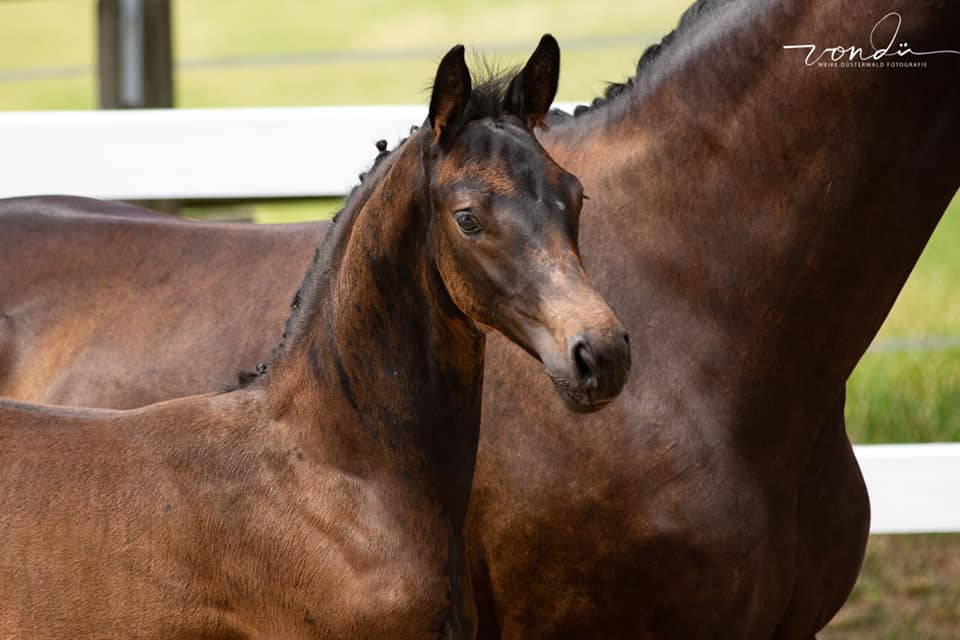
(532, 90)
(451, 91)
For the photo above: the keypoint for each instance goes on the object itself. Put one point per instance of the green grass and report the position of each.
(50, 33)
(905, 397)
(908, 590)
(914, 395)
(277, 212)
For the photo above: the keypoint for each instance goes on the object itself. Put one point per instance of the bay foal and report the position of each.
(327, 499)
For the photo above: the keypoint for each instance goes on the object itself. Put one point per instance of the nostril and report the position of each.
(585, 363)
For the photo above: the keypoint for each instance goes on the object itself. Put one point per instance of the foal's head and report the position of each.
(506, 219)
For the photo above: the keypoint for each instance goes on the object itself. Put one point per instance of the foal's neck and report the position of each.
(381, 365)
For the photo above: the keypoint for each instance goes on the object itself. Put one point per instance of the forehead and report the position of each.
(501, 157)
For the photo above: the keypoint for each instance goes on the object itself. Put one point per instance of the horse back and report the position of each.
(67, 206)
(94, 295)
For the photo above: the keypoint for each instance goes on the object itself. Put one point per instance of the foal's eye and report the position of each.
(467, 222)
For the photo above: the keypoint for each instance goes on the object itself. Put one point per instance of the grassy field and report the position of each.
(908, 590)
(58, 33)
(904, 389)
(907, 389)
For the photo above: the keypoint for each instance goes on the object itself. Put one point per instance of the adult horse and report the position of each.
(751, 220)
(326, 500)
(109, 305)
(753, 217)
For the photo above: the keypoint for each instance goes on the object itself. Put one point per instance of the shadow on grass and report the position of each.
(909, 589)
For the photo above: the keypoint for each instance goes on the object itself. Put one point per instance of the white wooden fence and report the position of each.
(293, 152)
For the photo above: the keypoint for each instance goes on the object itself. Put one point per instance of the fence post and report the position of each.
(135, 54)
(135, 60)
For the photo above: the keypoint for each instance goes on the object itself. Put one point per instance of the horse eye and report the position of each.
(467, 222)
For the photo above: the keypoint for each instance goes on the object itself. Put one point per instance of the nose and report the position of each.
(601, 365)
(585, 364)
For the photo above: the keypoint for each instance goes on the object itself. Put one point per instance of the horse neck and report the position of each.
(772, 210)
(382, 368)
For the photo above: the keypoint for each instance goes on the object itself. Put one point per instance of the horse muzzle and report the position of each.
(595, 369)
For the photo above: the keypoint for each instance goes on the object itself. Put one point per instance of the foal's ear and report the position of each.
(532, 90)
(451, 92)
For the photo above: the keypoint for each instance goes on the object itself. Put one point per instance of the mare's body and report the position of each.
(113, 303)
(327, 499)
(719, 497)
(752, 221)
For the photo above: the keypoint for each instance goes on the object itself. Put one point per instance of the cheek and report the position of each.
(456, 275)
(466, 272)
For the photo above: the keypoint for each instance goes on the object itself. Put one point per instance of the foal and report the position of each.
(327, 499)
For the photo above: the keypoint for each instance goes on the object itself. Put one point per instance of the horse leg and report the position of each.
(487, 626)
(833, 519)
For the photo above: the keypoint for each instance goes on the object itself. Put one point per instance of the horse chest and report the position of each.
(340, 561)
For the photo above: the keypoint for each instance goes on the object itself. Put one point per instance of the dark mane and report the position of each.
(486, 101)
(644, 64)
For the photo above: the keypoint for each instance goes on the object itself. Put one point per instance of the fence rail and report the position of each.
(913, 487)
(296, 152)
(195, 153)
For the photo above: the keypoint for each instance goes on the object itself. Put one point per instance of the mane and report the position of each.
(645, 64)
(486, 101)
